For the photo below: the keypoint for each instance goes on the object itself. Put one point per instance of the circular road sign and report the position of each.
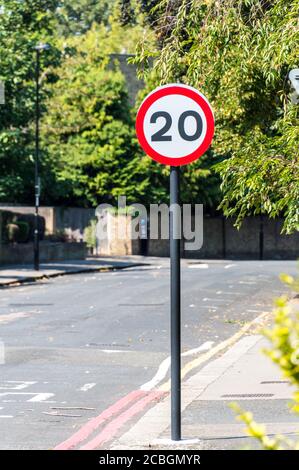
(175, 124)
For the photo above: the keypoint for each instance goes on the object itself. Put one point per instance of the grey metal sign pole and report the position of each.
(175, 300)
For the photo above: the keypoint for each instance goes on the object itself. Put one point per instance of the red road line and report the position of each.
(94, 423)
(111, 429)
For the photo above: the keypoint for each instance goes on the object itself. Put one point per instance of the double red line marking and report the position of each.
(108, 432)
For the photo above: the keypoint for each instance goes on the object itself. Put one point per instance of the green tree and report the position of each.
(200, 183)
(78, 16)
(89, 130)
(239, 53)
(22, 26)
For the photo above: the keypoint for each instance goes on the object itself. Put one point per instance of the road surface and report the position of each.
(75, 346)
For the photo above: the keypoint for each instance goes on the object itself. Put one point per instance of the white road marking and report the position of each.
(164, 366)
(14, 316)
(198, 266)
(247, 282)
(111, 351)
(161, 373)
(18, 385)
(156, 421)
(254, 311)
(204, 347)
(6, 416)
(87, 387)
(228, 266)
(41, 397)
(37, 397)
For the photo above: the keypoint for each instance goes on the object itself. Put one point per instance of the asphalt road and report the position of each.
(75, 345)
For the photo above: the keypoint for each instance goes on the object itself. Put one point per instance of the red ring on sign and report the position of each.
(175, 90)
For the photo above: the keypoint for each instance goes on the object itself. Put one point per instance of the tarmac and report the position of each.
(20, 274)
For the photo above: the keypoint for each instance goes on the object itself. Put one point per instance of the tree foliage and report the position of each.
(78, 16)
(22, 26)
(89, 130)
(88, 150)
(239, 53)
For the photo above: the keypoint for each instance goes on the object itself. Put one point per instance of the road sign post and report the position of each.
(175, 126)
(175, 302)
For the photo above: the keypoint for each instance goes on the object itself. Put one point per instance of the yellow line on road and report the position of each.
(220, 347)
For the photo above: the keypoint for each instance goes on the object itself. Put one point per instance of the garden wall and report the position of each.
(22, 253)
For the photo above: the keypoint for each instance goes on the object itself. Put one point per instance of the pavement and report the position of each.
(20, 274)
(85, 358)
(242, 375)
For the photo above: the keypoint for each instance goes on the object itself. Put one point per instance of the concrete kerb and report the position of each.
(45, 276)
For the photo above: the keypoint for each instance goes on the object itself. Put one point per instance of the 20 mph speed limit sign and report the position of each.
(175, 124)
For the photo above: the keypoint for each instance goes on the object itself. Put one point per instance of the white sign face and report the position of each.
(175, 124)
(181, 132)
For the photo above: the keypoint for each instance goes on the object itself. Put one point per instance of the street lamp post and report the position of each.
(38, 49)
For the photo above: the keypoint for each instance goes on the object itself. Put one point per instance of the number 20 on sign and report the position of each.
(175, 125)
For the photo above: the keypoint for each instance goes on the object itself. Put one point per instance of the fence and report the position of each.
(258, 238)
